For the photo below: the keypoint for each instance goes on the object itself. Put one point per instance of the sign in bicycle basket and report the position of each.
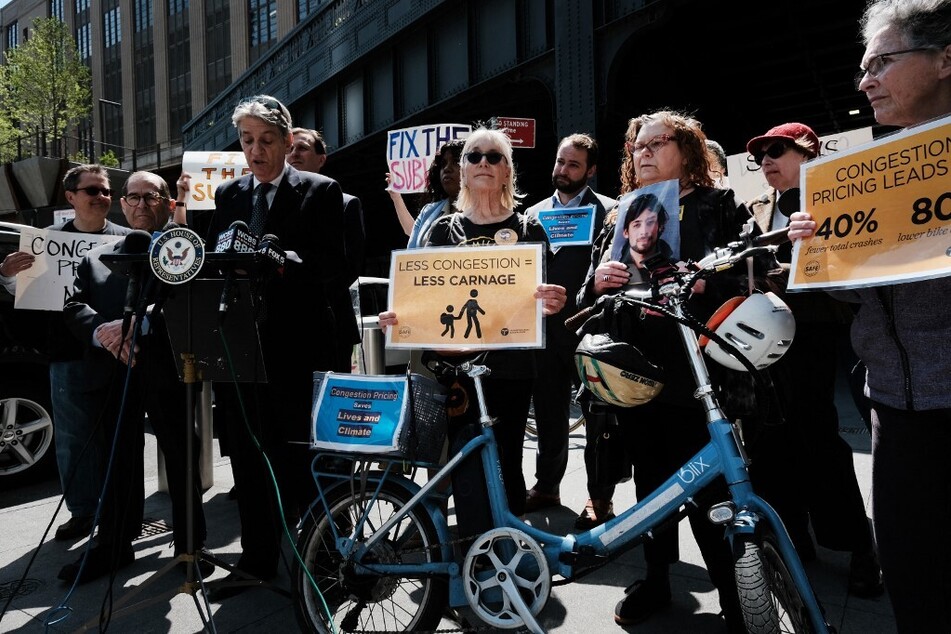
(379, 415)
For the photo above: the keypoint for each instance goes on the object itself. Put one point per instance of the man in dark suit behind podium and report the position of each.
(298, 330)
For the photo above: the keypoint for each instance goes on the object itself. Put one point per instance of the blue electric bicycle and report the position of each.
(379, 555)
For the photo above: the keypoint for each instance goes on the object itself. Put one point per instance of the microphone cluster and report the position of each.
(238, 239)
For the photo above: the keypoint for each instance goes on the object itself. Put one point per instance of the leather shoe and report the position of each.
(642, 599)
(100, 561)
(536, 501)
(595, 513)
(77, 526)
(865, 575)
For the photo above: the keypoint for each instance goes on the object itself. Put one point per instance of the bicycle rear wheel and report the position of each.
(368, 602)
(769, 598)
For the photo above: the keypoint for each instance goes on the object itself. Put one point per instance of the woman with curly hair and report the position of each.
(663, 434)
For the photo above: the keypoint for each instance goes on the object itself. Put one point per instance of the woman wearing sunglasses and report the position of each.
(487, 217)
(822, 488)
(663, 434)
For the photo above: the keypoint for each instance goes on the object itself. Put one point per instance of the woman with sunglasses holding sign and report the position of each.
(901, 332)
(822, 488)
(487, 217)
(664, 146)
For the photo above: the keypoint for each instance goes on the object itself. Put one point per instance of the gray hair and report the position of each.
(265, 108)
(923, 23)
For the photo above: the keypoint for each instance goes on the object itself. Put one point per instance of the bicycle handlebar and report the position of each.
(680, 284)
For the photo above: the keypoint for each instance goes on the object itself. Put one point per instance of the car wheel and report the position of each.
(26, 438)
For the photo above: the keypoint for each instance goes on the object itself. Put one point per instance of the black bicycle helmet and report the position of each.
(617, 372)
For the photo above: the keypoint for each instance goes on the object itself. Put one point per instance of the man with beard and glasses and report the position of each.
(575, 165)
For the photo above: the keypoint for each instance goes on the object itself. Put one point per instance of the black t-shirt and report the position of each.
(457, 230)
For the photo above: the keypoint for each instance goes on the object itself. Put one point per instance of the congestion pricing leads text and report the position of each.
(842, 226)
(924, 208)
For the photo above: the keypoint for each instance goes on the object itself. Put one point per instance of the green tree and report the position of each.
(44, 86)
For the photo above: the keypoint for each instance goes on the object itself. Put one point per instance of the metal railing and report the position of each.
(86, 150)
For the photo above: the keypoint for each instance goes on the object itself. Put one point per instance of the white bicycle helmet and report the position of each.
(617, 372)
(760, 326)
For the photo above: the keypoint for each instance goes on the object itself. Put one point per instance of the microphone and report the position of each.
(236, 239)
(136, 243)
(270, 251)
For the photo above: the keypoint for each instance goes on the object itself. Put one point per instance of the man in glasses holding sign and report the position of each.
(896, 191)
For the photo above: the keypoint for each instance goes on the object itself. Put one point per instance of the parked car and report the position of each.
(26, 420)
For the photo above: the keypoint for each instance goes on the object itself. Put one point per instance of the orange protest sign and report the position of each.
(456, 298)
(883, 212)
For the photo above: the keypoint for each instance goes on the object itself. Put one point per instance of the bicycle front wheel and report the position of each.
(769, 598)
(367, 601)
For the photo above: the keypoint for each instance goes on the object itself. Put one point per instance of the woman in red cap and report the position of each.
(824, 488)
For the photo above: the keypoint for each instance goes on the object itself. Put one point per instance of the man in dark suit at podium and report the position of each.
(297, 332)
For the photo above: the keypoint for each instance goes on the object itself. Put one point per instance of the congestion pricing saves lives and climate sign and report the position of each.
(460, 298)
(882, 210)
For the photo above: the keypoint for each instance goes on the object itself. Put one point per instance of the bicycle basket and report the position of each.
(379, 415)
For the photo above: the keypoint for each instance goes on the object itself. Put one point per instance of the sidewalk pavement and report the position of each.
(582, 607)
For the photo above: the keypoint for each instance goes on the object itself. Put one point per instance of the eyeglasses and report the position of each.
(654, 145)
(94, 191)
(878, 63)
(152, 200)
(493, 157)
(774, 151)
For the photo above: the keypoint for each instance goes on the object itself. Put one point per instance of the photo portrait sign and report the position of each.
(208, 170)
(48, 284)
(457, 298)
(882, 210)
(410, 152)
(661, 198)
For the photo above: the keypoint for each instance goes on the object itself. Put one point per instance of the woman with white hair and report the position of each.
(486, 216)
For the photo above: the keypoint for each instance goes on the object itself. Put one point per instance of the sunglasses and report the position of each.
(94, 191)
(774, 151)
(493, 157)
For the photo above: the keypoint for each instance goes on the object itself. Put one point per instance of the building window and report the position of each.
(110, 114)
(12, 36)
(56, 10)
(112, 30)
(179, 69)
(217, 46)
(81, 5)
(144, 64)
(83, 44)
(142, 15)
(306, 7)
(263, 26)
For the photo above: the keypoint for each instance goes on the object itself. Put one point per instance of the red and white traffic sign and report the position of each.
(520, 131)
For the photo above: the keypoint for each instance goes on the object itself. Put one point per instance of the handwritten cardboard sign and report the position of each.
(208, 170)
(466, 297)
(48, 284)
(883, 212)
(410, 152)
